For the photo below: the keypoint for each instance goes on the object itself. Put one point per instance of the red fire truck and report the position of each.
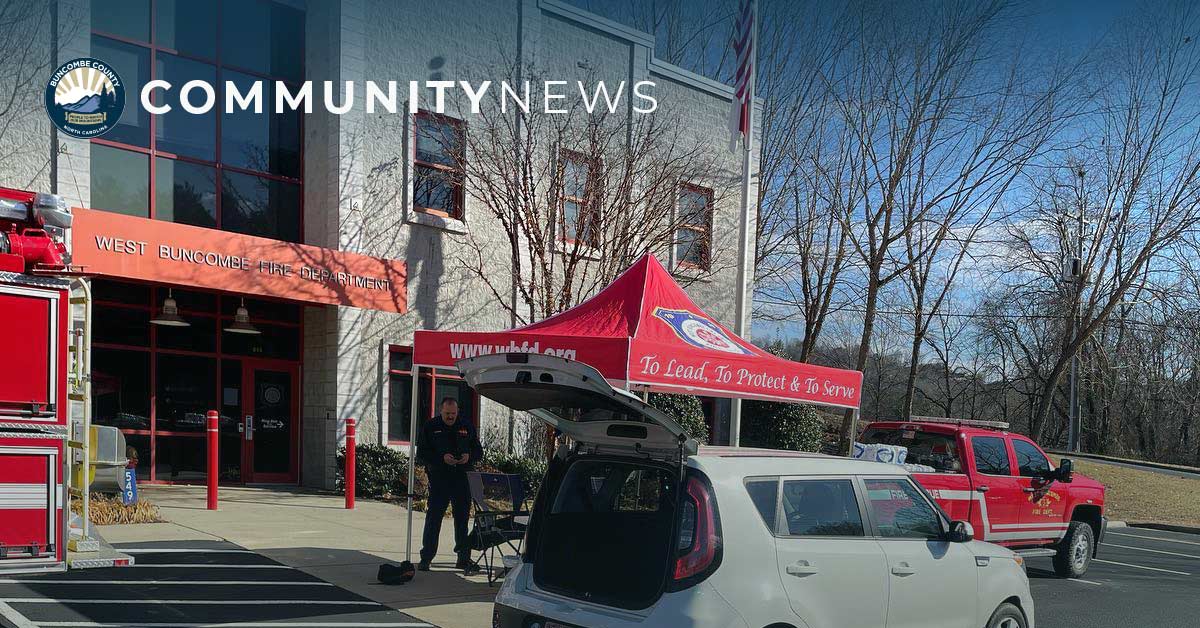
(33, 382)
(46, 454)
(1004, 485)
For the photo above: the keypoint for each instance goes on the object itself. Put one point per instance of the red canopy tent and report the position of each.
(643, 332)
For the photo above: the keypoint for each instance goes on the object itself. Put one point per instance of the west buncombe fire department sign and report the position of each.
(115, 245)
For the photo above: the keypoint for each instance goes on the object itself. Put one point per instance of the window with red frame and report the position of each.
(579, 184)
(156, 383)
(240, 171)
(434, 385)
(438, 165)
(693, 233)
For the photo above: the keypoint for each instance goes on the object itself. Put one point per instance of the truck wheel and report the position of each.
(1074, 551)
(1007, 616)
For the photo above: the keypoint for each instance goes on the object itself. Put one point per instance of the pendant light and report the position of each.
(241, 322)
(169, 315)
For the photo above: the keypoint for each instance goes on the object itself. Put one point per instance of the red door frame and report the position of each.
(249, 366)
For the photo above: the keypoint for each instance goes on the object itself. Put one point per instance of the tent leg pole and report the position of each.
(414, 426)
(735, 422)
(853, 433)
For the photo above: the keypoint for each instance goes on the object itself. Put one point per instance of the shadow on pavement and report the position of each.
(356, 571)
(192, 582)
(1034, 572)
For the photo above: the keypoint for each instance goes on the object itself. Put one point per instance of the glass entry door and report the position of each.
(270, 421)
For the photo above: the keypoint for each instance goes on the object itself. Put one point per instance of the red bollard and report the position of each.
(350, 444)
(213, 441)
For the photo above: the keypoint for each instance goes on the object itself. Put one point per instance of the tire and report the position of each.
(1075, 551)
(1007, 616)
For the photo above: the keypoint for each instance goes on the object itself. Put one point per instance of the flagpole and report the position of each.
(742, 301)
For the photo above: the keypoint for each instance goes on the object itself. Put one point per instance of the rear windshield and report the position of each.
(931, 449)
(612, 487)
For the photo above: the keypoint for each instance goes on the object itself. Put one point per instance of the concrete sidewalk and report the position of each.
(314, 533)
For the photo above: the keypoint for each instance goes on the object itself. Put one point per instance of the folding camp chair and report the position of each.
(500, 517)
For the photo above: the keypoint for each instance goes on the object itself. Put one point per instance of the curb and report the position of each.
(1118, 524)
(1129, 461)
(1166, 527)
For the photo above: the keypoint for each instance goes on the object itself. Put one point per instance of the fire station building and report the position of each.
(275, 266)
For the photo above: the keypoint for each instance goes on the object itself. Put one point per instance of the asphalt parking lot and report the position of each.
(189, 585)
(1142, 577)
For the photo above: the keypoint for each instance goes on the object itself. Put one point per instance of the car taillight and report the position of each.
(699, 532)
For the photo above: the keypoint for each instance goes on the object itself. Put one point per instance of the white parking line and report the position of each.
(1113, 562)
(42, 600)
(16, 619)
(182, 550)
(1085, 581)
(208, 566)
(1152, 538)
(1147, 549)
(295, 583)
(236, 624)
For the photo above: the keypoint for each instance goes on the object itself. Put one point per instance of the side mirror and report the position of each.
(960, 532)
(1065, 471)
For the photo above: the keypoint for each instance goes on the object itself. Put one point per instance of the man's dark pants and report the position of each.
(447, 489)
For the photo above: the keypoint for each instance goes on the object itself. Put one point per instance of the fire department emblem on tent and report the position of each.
(699, 331)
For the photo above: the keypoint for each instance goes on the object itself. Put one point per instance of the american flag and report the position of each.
(744, 44)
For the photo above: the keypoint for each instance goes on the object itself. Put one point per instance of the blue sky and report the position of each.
(1045, 29)
(1062, 26)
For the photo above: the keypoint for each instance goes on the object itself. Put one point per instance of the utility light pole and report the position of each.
(1077, 275)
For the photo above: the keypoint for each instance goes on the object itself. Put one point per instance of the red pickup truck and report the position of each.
(1004, 485)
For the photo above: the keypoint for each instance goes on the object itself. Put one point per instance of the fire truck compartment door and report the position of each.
(29, 496)
(28, 321)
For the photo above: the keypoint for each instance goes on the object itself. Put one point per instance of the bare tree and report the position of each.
(804, 283)
(955, 374)
(1128, 195)
(936, 251)
(802, 246)
(691, 35)
(932, 125)
(22, 80)
(580, 195)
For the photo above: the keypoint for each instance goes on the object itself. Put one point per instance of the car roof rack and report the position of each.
(997, 425)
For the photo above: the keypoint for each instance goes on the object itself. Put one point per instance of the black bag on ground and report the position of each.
(396, 574)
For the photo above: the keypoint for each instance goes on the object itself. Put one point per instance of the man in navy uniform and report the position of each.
(448, 447)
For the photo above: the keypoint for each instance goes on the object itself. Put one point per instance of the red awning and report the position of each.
(644, 332)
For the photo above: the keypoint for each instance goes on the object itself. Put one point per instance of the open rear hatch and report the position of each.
(605, 524)
(575, 399)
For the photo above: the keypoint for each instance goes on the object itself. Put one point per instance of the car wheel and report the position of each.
(1074, 551)
(1007, 616)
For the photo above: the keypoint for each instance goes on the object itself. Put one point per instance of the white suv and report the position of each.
(634, 527)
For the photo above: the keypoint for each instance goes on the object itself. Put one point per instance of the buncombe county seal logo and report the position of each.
(699, 331)
(85, 98)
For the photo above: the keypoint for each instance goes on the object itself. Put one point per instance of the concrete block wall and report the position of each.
(27, 137)
(705, 104)
(322, 188)
(75, 156)
(371, 156)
